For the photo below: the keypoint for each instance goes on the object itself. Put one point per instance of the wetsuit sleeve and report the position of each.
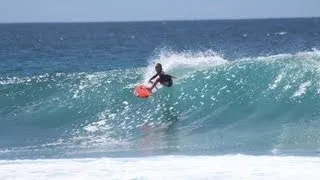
(154, 76)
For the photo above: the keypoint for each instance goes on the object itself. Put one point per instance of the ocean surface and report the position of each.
(245, 103)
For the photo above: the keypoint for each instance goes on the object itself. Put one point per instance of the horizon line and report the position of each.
(158, 20)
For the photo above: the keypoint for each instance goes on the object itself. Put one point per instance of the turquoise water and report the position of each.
(249, 87)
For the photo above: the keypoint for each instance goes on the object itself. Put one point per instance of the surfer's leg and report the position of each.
(154, 84)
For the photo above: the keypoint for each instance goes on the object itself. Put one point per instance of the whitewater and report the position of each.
(165, 167)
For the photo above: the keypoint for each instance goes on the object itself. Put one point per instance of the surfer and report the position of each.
(164, 79)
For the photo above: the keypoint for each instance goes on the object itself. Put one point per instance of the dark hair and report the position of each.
(158, 67)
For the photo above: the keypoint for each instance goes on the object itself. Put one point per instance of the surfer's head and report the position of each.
(158, 67)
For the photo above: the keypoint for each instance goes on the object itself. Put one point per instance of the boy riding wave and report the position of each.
(164, 79)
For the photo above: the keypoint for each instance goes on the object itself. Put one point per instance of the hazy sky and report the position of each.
(137, 10)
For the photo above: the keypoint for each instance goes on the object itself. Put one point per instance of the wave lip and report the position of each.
(173, 62)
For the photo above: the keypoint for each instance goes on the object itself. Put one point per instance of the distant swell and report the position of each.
(255, 104)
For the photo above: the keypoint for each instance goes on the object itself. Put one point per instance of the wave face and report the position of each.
(254, 105)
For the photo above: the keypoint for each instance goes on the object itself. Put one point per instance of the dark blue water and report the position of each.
(244, 86)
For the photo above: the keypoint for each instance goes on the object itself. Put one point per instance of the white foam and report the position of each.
(91, 128)
(276, 82)
(165, 167)
(281, 33)
(302, 89)
(173, 62)
(21, 80)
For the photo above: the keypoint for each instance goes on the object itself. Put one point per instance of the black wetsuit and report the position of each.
(164, 79)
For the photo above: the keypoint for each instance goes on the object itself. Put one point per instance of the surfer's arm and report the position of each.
(153, 77)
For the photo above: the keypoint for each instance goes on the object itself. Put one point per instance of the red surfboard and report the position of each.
(142, 91)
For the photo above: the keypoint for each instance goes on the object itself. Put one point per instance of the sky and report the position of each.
(147, 10)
